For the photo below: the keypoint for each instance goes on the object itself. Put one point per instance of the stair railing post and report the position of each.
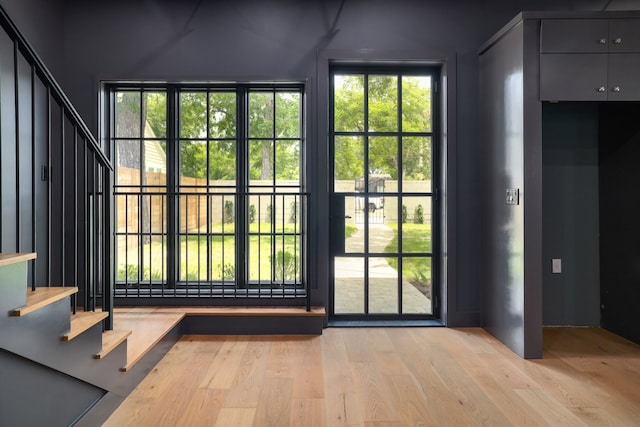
(107, 221)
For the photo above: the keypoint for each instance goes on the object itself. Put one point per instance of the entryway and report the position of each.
(383, 201)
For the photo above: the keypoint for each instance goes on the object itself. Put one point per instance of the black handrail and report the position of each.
(73, 231)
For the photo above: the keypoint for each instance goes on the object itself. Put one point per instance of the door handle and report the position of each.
(347, 217)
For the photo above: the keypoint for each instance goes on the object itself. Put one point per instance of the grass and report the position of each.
(193, 255)
(416, 238)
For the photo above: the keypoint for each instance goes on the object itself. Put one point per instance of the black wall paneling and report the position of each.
(43, 144)
(590, 175)
(8, 155)
(570, 218)
(619, 136)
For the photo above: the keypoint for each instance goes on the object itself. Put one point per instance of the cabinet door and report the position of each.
(624, 77)
(624, 35)
(573, 77)
(574, 36)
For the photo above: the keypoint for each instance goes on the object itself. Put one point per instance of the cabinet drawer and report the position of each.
(624, 35)
(574, 36)
(573, 77)
(624, 81)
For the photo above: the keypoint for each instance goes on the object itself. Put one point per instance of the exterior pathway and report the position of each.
(383, 279)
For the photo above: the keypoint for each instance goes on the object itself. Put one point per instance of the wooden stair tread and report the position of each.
(149, 328)
(14, 258)
(83, 320)
(111, 340)
(42, 297)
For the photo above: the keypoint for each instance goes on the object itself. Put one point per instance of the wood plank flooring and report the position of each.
(389, 377)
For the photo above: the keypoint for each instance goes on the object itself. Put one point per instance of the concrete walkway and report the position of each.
(383, 279)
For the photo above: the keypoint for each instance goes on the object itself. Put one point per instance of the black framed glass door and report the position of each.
(383, 203)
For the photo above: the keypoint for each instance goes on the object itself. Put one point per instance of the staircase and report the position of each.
(54, 365)
(61, 369)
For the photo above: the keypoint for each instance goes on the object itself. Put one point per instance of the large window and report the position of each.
(208, 189)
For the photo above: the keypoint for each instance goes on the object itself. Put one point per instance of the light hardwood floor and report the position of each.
(389, 377)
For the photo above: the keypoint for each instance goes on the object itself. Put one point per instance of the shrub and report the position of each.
(404, 214)
(130, 273)
(227, 272)
(293, 213)
(252, 214)
(270, 214)
(228, 212)
(418, 215)
(286, 266)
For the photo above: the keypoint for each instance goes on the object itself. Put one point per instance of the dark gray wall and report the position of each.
(619, 226)
(278, 39)
(35, 395)
(41, 22)
(570, 222)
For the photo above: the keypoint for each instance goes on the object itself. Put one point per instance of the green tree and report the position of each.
(274, 117)
(383, 116)
(194, 108)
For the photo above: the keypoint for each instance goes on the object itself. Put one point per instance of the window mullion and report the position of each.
(365, 182)
(209, 265)
(173, 171)
(242, 180)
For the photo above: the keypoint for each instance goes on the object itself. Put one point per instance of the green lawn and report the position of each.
(416, 238)
(193, 255)
(193, 250)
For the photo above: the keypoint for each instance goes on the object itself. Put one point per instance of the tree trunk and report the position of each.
(266, 161)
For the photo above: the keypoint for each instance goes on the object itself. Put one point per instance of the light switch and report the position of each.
(556, 265)
(513, 196)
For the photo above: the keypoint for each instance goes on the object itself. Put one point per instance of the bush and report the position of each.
(418, 215)
(404, 214)
(270, 214)
(252, 214)
(293, 213)
(130, 273)
(286, 266)
(228, 212)
(227, 272)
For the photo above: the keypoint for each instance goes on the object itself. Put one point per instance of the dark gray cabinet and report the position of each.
(624, 77)
(624, 35)
(589, 59)
(574, 77)
(574, 36)
(558, 155)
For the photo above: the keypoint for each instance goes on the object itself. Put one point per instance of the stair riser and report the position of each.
(252, 325)
(38, 331)
(13, 287)
(37, 336)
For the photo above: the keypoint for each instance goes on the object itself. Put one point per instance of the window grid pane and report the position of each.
(210, 196)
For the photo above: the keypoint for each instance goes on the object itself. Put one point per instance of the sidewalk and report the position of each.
(383, 279)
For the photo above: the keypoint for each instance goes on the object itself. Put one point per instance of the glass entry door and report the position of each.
(383, 209)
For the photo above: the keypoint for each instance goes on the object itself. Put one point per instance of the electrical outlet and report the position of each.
(556, 265)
